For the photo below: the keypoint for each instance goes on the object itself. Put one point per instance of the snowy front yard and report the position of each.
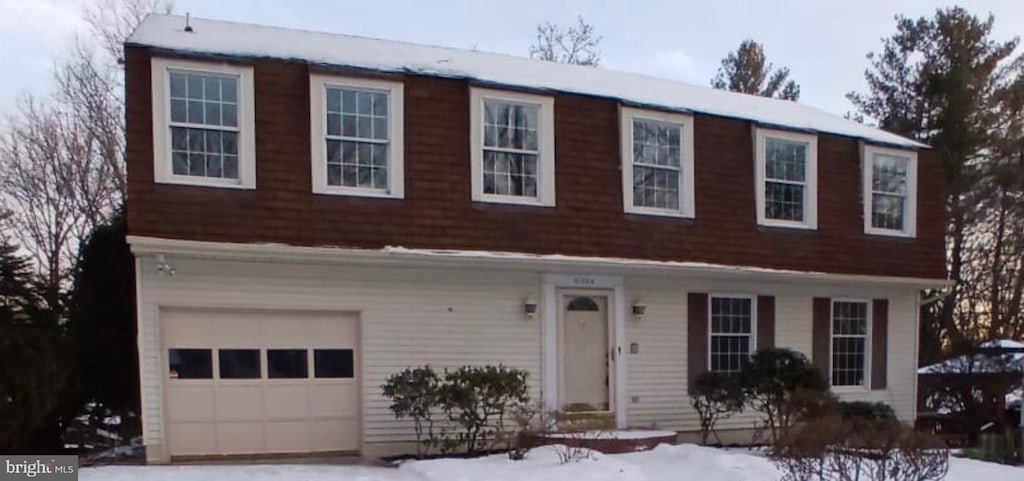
(665, 463)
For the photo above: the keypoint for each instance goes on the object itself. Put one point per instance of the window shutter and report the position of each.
(879, 342)
(822, 335)
(765, 322)
(697, 334)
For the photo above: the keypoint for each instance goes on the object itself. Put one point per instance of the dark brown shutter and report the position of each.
(879, 342)
(697, 334)
(765, 322)
(822, 335)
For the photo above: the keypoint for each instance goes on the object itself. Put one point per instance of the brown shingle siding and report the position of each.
(588, 218)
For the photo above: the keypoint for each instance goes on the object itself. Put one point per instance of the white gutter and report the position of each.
(510, 260)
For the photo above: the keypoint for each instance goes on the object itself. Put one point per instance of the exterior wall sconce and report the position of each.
(530, 307)
(639, 309)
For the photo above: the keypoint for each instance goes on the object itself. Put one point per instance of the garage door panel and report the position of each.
(288, 437)
(334, 400)
(286, 332)
(287, 401)
(237, 332)
(241, 437)
(240, 402)
(335, 435)
(191, 403)
(264, 415)
(185, 438)
(189, 329)
(330, 333)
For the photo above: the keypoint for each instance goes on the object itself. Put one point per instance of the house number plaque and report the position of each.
(583, 281)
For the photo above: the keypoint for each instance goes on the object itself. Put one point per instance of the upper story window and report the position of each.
(657, 161)
(731, 334)
(787, 179)
(512, 141)
(203, 124)
(850, 342)
(890, 191)
(357, 136)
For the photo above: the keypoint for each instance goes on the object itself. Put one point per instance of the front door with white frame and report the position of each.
(585, 354)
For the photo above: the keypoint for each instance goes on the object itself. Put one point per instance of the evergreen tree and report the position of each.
(17, 298)
(938, 80)
(103, 319)
(746, 70)
(35, 365)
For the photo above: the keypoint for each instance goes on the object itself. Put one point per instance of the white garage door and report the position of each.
(260, 382)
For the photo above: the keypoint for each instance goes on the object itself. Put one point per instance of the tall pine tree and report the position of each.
(937, 80)
(746, 70)
(35, 362)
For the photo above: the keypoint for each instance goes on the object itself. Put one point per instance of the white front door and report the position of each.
(585, 354)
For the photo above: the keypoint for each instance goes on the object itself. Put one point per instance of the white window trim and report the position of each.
(811, 178)
(318, 84)
(909, 207)
(162, 167)
(686, 193)
(753, 320)
(546, 138)
(866, 386)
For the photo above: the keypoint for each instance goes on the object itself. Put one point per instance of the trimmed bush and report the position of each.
(867, 411)
(715, 396)
(769, 380)
(836, 449)
(416, 393)
(480, 400)
(481, 405)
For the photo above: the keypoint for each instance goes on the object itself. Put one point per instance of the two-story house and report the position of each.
(311, 212)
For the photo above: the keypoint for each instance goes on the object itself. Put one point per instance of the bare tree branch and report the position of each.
(577, 44)
(112, 21)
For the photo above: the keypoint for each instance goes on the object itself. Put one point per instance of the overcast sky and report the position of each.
(823, 42)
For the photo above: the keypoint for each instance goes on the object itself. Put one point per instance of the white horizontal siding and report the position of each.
(407, 318)
(414, 316)
(657, 375)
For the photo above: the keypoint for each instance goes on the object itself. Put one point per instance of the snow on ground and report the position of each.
(664, 463)
(623, 434)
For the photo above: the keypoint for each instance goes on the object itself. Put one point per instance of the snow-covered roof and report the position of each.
(215, 37)
(982, 362)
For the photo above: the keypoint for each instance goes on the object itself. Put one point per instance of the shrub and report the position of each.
(479, 401)
(770, 378)
(805, 404)
(836, 449)
(715, 396)
(867, 411)
(416, 393)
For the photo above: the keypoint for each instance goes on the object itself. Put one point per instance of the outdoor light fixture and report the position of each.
(530, 307)
(639, 309)
(163, 267)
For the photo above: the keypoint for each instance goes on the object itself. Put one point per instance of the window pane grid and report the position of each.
(510, 174)
(204, 124)
(785, 179)
(849, 343)
(657, 169)
(357, 138)
(204, 152)
(731, 333)
(784, 201)
(511, 148)
(888, 191)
